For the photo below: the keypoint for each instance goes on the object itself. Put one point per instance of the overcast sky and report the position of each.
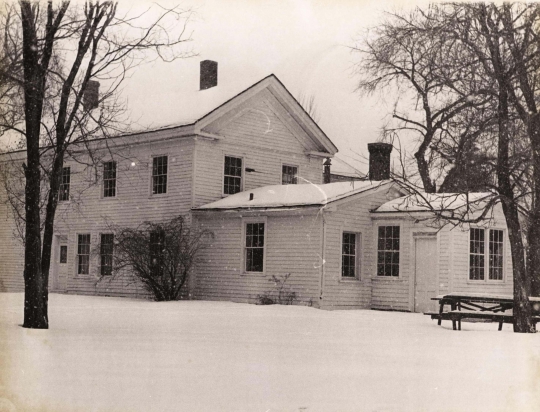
(305, 43)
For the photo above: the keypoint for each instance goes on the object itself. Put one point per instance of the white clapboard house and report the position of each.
(251, 169)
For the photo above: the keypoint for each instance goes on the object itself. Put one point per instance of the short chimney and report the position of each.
(379, 161)
(208, 74)
(91, 95)
(327, 178)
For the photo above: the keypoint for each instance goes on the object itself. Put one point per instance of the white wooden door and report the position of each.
(60, 266)
(426, 277)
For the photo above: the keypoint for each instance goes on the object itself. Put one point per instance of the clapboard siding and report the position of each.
(264, 142)
(220, 273)
(11, 252)
(352, 216)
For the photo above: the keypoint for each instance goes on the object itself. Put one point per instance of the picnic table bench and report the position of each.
(479, 306)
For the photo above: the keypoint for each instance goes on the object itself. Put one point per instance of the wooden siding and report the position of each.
(11, 252)
(353, 216)
(264, 142)
(220, 274)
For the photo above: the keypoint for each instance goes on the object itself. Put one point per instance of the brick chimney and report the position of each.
(91, 95)
(379, 161)
(326, 175)
(208, 74)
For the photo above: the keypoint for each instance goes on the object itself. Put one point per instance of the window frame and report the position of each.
(296, 175)
(486, 255)
(152, 176)
(77, 261)
(62, 184)
(245, 222)
(115, 180)
(223, 175)
(357, 257)
(392, 277)
(64, 245)
(101, 254)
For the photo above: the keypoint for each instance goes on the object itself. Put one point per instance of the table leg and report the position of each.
(453, 307)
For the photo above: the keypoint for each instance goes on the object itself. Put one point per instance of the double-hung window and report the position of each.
(254, 247)
(232, 175)
(83, 254)
(65, 180)
(350, 246)
(106, 253)
(388, 251)
(159, 175)
(486, 254)
(109, 179)
(289, 175)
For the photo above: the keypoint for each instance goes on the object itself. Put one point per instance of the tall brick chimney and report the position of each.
(379, 161)
(327, 177)
(208, 74)
(91, 95)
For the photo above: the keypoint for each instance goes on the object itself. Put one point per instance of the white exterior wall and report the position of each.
(293, 245)
(352, 216)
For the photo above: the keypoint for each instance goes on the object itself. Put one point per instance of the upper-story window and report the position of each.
(159, 175)
(232, 175)
(482, 258)
(289, 175)
(109, 179)
(388, 251)
(65, 181)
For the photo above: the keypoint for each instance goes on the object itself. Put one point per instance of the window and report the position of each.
(289, 175)
(232, 180)
(157, 242)
(388, 251)
(83, 254)
(106, 253)
(477, 254)
(159, 175)
(254, 254)
(63, 253)
(109, 179)
(65, 181)
(349, 255)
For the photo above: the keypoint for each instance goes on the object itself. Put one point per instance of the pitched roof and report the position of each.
(426, 202)
(284, 196)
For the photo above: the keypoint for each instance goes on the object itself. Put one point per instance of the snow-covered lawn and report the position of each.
(109, 354)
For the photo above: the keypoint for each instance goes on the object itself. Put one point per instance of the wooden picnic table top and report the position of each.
(481, 297)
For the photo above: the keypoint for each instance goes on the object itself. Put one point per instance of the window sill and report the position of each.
(253, 274)
(350, 280)
(486, 282)
(388, 279)
(109, 198)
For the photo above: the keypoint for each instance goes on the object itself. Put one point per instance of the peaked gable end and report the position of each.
(278, 105)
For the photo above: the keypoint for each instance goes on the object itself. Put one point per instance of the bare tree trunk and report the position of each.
(522, 307)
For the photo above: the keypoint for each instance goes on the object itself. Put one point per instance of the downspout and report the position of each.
(323, 259)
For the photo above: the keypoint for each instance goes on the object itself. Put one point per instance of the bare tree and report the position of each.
(57, 58)
(159, 255)
(480, 63)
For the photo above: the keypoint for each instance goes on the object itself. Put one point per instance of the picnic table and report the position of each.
(483, 306)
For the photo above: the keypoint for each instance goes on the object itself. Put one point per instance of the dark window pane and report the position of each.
(83, 254)
(65, 181)
(63, 254)
(159, 175)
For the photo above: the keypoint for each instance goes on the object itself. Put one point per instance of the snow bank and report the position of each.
(112, 354)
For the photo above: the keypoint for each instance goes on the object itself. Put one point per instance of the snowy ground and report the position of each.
(108, 354)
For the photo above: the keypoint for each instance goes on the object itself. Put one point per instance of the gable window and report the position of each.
(63, 253)
(232, 176)
(109, 179)
(157, 242)
(388, 251)
(350, 243)
(159, 175)
(484, 259)
(289, 175)
(254, 250)
(83, 254)
(65, 180)
(106, 253)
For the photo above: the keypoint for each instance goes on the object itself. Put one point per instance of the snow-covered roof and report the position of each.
(424, 202)
(283, 196)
